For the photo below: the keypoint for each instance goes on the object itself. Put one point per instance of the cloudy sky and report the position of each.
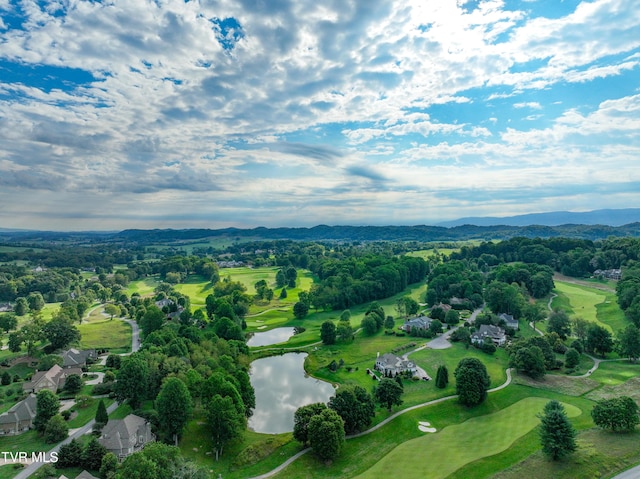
(184, 113)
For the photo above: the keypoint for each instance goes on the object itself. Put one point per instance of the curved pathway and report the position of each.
(378, 426)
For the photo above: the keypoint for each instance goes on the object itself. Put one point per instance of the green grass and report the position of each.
(88, 413)
(114, 335)
(590, 304)
(460, 444)
(144, 287)
(28, 442)
(197, 288)
(616, 372)
(9, 471)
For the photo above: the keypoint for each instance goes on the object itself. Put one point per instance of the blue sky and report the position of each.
(181, 113)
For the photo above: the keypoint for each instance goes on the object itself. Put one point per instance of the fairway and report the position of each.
(593, 305)
(438, 455)
(110, 334)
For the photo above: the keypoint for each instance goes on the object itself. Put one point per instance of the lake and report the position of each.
(274, 336)
(282, 386)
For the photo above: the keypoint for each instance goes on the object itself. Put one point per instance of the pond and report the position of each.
(274, 336)
(282, 386)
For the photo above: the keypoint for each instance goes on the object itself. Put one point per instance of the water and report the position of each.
(274, 336)
(281, 387)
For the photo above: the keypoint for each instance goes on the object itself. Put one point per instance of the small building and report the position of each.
(510, 321)
(83, 475)
(19, 418)
(421, 322)
(53, 379)
(125, 436)
(391, 365)
(78, 359)
(496, 333)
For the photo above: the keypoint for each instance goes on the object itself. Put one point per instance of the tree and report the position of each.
(355, 406)
(580, 328)
(35, 301)
(283, 293)
(56, 429)
(571, 358)
(225, 423)
(73, 383)
(599, 340)
(174, 408)
(114, 361)
(93, 454)
(300, 309)
(389, 323)
(47, 406)
(411, 306)
(102, 417)
(472, 381)
(15, 341)
(629, 342)
(69, 455)
(557, 435)
(616, 414)
(369, 326)
(328, 332)
(152, 320)
(452, 317)
(132, 381)
(388, 393)
(21, 307)
(559, 322)
(108, 466)
(281, 279)
(326, 434)
(442, 377)
(6, 378)
(301, 419)
(137, 466)
(8, 322)
(111, 309)
(435, 327)
(530, 361)
(344, 331)
(60, 332)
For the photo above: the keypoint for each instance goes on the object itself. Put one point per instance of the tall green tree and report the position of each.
(56, 429)
(355, 406)
(388, 393)
(174, 407)
(35, 301)
(629, 342)
(616, 414)
(60, 332)
(301, 419)
(152, 320)
(92, 454)
(102, 417)
(132, 381)
(47, 406)
(472, 381)
(328, 332)
(559, 322)
(557, 435)
(225, 423)
(529, 360)
(442, 377)
(599, 340)
(326, 434)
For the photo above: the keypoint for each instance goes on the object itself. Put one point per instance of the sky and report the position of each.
(120, 114)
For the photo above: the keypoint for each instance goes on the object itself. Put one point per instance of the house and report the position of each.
(126, 436)
(510, 321)
(19, 418)
(173, 309)
(392, 365)
(53, 379)
(496, 334)
(82, 475)
(443, 306)
(608, 273)
(421, 322)
(78, 359)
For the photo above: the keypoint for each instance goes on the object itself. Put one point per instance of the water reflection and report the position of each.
(274, 336)
(281, 387)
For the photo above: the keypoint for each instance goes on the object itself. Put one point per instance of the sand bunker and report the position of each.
(262, 327)
(424, 426)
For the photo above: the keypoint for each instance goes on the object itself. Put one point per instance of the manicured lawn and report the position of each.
(591, 304)
(8, 471)
(29, 442)
(144, 287)
(611, 373)
(114, 335)
(88, 413)
(457, 445)
(197, 288)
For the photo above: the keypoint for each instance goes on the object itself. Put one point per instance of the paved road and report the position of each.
(135, 335)
(34, 466)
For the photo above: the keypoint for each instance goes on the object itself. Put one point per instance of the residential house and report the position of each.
(83, 475)
(126, 436)
(19, 418)
(78, 359)
(608, 273)
(421, 322)
(496, 333)
(173, 310)
(510, 321)
(53, 379)
(392, 365)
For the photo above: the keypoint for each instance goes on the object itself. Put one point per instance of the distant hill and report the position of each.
(610, 217)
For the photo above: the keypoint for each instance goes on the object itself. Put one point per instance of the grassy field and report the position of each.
(114, 335)
(144, 287)
(457, 445)
(591, 304)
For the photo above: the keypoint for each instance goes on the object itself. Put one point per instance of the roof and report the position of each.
(56, 376)
(118, 431)
(73, 357)
(24, 410)
(85, 475)
(389, 360)
(419, 322)
(489, 330)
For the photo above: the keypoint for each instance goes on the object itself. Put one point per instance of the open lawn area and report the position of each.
(460, 444)
(144, 287)
(590, 304)
(114, 335)
(197, 288)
